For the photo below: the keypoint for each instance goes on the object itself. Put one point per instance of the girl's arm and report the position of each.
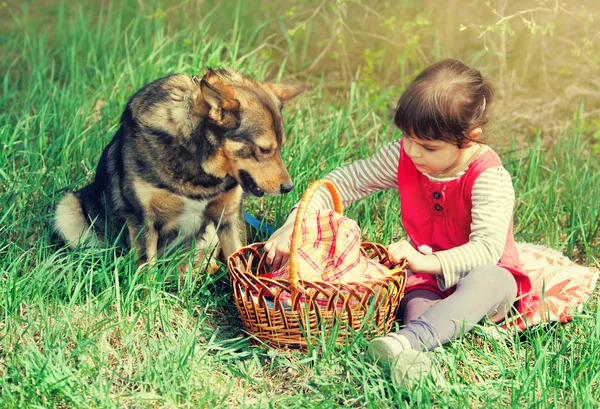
(361, 178)
(493, 200)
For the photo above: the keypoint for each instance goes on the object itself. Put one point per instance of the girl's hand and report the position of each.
(278, 245)
(417, 262)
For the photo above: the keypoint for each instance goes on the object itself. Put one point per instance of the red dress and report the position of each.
(438, 214)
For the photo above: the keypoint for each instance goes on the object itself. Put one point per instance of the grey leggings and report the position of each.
(431, 320)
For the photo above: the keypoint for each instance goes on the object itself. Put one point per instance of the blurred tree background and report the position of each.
(542, 55)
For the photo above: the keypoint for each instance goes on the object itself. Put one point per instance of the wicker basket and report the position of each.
(369, 307)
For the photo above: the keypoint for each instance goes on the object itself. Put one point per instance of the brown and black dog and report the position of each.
(186, 150)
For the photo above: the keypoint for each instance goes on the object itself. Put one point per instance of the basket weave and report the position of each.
(369, 306)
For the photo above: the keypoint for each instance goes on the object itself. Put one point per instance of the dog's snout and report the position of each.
(286, 188)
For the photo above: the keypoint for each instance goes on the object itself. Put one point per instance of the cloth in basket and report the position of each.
(329, 251)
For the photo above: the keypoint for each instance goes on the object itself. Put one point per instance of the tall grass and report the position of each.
(87, 328)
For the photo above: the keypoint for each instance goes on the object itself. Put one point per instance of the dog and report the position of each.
(186, 151)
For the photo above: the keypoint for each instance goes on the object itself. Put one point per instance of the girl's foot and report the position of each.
(395, 353)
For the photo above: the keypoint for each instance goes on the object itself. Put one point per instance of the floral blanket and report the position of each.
(559, 286)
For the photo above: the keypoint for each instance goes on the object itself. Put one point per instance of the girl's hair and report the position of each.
(445, 102)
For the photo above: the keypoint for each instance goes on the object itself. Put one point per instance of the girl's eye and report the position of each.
(428, 149)
(265, 151)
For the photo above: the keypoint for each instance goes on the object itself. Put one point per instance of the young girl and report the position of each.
(457, 202)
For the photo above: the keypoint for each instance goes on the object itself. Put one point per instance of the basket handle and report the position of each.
(306, 197)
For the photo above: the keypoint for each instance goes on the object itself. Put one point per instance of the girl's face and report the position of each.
(438, 158)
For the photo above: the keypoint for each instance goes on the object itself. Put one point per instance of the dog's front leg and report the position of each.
(205, 251)
(144, 241)
(232, 234)
(226, 212)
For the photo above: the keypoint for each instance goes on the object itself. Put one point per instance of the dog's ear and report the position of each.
(223, 107)
(285, 92)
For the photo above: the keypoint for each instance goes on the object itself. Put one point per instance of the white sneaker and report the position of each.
(410, 366)
(395, 353)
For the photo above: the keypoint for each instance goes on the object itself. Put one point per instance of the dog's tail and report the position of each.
(71, 222)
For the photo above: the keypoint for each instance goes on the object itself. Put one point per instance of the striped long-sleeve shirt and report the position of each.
(493, 199)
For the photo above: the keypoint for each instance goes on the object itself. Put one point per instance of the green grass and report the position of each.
(88, 329)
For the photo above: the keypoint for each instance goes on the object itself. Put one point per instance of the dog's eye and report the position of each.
(265, 151)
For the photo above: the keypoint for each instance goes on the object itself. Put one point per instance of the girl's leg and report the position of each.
(484, 291)
(415, 303)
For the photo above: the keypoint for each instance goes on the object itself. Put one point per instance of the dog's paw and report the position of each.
(211, 267)
(198, 268)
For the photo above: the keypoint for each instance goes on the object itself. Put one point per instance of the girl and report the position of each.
(457, 202)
